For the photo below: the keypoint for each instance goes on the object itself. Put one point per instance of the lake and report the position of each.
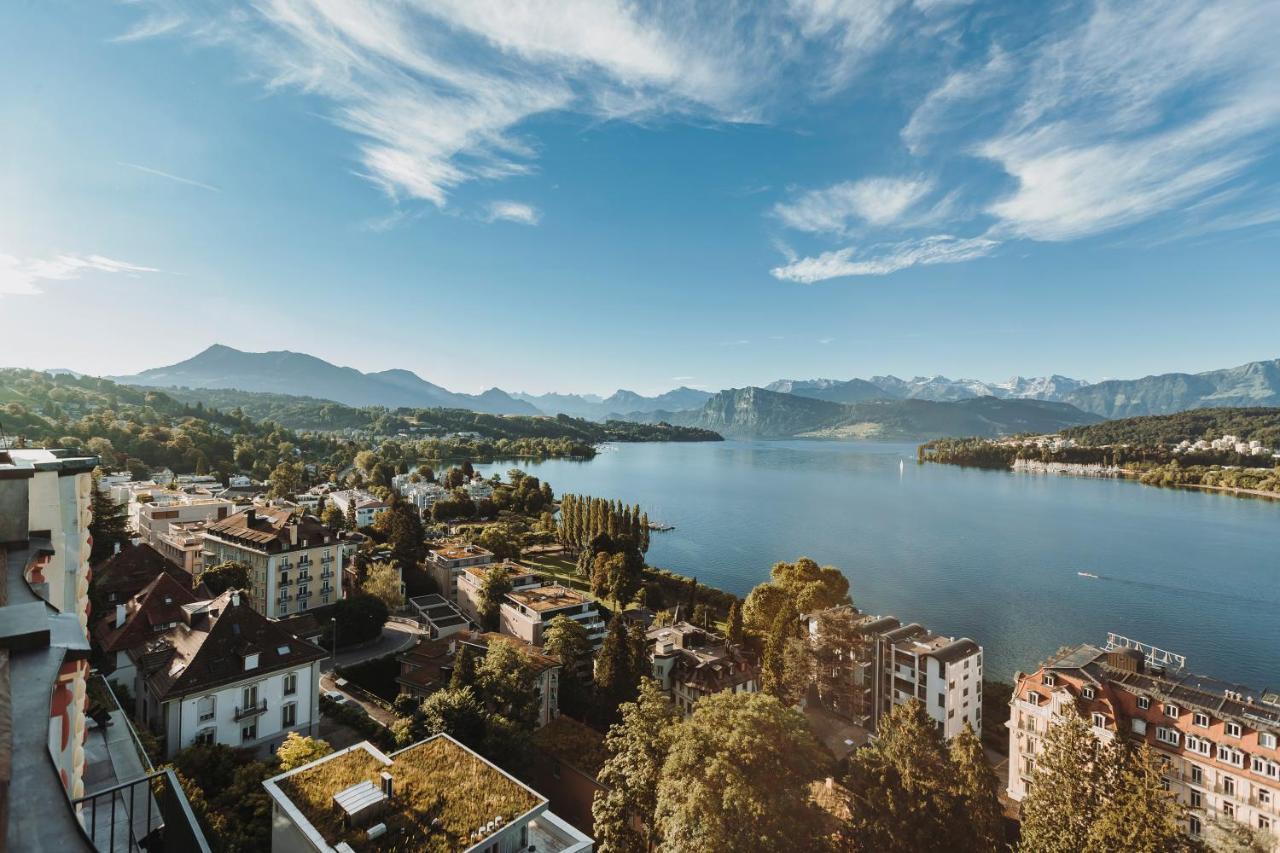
(991, 555)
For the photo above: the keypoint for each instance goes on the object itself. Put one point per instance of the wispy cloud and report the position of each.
(512, 211)
(825, 341)
(966, 86)
(22, 276)
(188, 181)
(874, 201)
(841, 263)
(437, 92)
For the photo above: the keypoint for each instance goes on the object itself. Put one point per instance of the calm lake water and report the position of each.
(987, 554)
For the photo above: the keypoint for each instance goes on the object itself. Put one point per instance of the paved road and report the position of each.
(396, 637)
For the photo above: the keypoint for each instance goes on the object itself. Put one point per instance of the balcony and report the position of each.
(150, 812)
(304, 578)
(284, 582)
(251, 711)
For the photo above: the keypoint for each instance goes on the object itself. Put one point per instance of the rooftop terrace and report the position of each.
(544, 598)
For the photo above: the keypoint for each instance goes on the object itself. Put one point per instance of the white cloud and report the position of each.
(842, 263)
(937, 112)
(513, 211)
(856, 28)
(1138, 112)
(22, 277)
(875, 201)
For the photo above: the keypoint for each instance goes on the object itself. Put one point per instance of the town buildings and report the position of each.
(127, 572)
(472, 579)
(183, 545)
(221, 672)
(691, 662)
(126, 626)
(45, 800)
(447, 562)
(887, 664)
(1219, 741)
(525, 613)
(368, 507)
(151, 513)
(419, 492)
(437, 615)
(434, 795)
(295, 559)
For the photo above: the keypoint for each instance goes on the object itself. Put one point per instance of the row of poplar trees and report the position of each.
(583, 518)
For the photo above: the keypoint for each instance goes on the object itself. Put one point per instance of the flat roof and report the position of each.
(545, 598)
(443, 794)
(460, 552)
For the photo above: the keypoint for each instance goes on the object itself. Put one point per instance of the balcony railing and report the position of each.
(251, 711)
(148, 813)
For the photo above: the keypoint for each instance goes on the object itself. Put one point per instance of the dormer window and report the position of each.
(1088, 692)
(1171, 711)
(251, 661)
(1049, 679)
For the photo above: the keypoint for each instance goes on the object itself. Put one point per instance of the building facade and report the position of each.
(154, 512)
(447, 562)
(691, 662)
(368, 507)
(295, 559)
(525, 613)
(224, 673)
(1219, 741)
(472, 578)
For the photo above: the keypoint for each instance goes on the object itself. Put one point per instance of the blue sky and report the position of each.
(579, 196)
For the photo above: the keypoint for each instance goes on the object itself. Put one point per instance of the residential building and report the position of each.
(421, 493)
(889, 664)
(1219, 742)
(437, 615)
(434, 795)
(49, 799)
(525, 613)
(183, 545)
(479, 490)
(447, 562)
(691, 662)
(224, 673)
(295, 559)
(133, 623)
(428, 667)
(152, 512)
(368, 507)
(127, 572)
(472, 578)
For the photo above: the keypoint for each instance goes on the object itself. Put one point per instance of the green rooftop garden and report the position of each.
(442, 793)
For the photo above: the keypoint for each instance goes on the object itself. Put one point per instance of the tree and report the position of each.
(737, 777)
(407, 538)
(567, 639)
(109, 526)
(785, 666)
(733, 625)
(761, 608)
(464, 667)
(298, 750)
(505, 683)
(980, 828)
(1062, 802)
(493, 590)
(285, 480)
(901, 790)
(349, 517)
(456, 712)
(616, 679)
(808, 586)
(501, 540)
(836, 645)
(358, 618)
(382, 581)
(1135, 812)
(231, 574)
(333, 517)
(1225, 835)
(637, 746)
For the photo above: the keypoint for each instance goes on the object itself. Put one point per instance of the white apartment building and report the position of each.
(472, 580)
(1220, 741)
(296, 560)
(479, 490)
(183, 545)
(434, 795)
(447, 562)
(224, 673)
(368, 507)
(526, 612)
(153, 512)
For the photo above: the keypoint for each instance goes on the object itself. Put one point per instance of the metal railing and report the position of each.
(251, 711)
(149, 813)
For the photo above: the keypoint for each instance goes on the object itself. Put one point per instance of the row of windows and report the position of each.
(207, 706)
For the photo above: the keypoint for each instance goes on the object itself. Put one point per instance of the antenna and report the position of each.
(1154, 655)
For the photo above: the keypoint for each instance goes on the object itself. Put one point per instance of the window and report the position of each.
(291, 684)
(1171, 711)
(1193, 825)
(1264, 796)
(1169, 736)
(1228, 785)
(1049, 679)
(942, 699)
(1197, 775)
(1228, 808)
(1144, 703)
(206, 708)
(1099, 721)
(206, 736)
(1230, 755)
(1197, 799)
(1088, 692)
(1264, 823)
(1139, 726)
(288, 714)
(249, 731)
(1266, 740)
(1201, 720)
(1233, 729)
(249, 697)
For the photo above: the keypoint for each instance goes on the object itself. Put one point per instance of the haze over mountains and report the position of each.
(784, 407)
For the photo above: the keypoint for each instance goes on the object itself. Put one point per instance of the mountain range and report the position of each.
(282, 372)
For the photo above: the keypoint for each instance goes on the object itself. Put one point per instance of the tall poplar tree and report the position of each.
(624, 810)
(1061, 805)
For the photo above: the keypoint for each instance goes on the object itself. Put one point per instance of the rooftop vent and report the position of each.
(360, 803)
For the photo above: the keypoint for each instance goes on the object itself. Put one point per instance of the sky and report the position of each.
(580, 196)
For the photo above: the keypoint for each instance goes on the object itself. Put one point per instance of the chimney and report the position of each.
(117, 548)
(293, 533)
(235, 598)
(250, 516)
(120, 614)
(387, 785)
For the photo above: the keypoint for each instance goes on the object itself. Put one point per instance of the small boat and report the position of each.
(1087, 575)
